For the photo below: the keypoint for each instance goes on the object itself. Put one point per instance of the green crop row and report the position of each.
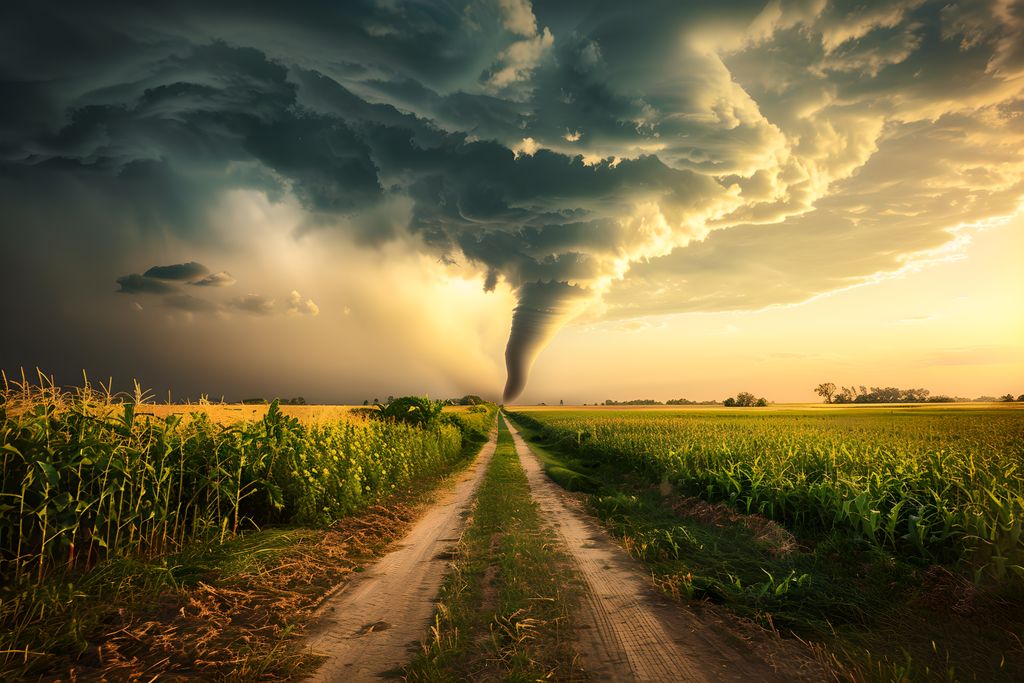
(84, 480)
(942, 486)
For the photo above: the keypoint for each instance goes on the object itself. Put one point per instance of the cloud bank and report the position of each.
(158, 280)
(600, 163)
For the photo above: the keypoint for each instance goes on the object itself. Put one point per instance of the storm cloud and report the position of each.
(141, 284)
(597, 162)
(178, 271)
(163, 281)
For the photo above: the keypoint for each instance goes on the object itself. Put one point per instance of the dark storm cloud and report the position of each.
(549, 142)
(194, 115)
(155, 281)
(242, 108)
(140, 284)
(178, 271)
(329, 165)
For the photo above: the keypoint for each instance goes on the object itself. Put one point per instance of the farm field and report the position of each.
(878, 542)
(937, 483)
(887, 533)
(228, 413)
(771, 407)
(106, 502)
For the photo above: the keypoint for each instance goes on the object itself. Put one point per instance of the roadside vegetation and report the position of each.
(891, 539)
(504, 610)
(103, 506)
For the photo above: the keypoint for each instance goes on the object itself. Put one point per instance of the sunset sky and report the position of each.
(659, 199)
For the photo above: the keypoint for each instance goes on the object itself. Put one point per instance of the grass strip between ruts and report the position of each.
(505, 607)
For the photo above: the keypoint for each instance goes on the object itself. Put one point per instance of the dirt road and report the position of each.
(374, 625)
(627, 630)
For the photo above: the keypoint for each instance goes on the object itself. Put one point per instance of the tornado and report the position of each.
(542, 309)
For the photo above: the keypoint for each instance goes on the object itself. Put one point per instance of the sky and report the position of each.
(536, 201)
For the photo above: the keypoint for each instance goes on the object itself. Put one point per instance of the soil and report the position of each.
(626, 629)
(375, 623)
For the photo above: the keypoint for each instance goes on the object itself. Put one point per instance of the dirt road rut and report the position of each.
(374, 624)
(627, 630)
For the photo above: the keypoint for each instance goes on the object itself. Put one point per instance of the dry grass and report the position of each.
(777, 539)
(229, 413)
(237, 622)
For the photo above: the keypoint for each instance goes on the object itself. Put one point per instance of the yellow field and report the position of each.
(228, 413)
(775, 407)
(233, 412)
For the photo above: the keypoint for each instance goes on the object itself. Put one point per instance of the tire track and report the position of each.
(627, 630)
(374, 624)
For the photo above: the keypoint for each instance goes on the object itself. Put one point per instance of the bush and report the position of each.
(413, 410)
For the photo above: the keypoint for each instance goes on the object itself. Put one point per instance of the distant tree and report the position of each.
(1021, 398)
(376, 401)
(846, 395)
(561, 402)
(366, 401)
(745, 399)
(1006, 398)
(391, 399)
(826, 390)
(914, 395)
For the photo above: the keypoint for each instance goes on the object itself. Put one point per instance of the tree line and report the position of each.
(743, 399)
(640, 402)
(831, 393)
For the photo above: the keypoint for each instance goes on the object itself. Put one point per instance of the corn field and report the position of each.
(86, 478)
(939, 486)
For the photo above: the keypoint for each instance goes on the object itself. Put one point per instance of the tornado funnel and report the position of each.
(542, 309)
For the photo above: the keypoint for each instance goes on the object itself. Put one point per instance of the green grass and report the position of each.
(877, 614)
(505, 607)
